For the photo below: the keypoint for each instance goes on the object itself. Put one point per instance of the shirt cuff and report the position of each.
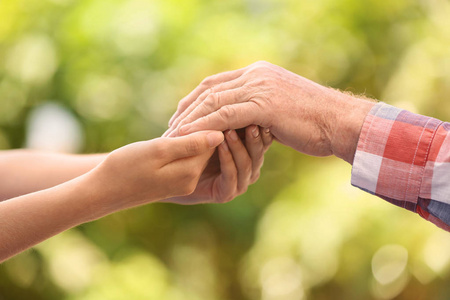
(392, 153)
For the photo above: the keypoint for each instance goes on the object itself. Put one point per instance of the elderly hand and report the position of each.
(302, 114)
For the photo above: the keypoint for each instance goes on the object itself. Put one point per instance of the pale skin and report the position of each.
(311, 118)
(63, 191)
(25, 171)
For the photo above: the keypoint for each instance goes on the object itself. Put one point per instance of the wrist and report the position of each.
(94, 198)
(99, 195)
(350, 113)
(102, 195)
(110, 190)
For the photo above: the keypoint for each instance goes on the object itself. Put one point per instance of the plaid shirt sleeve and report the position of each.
(404, 158)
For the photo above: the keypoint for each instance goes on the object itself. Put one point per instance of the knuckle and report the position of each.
(261, 65)
(208, 92)
(212, 101)
(183, 122)
(201, 98)
(264, 80)
(226, 112)
(193, 146)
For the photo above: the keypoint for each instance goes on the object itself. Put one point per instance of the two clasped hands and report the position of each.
(200, 159)
(263, 101)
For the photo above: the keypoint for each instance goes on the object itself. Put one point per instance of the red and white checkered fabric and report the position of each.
(404, 158)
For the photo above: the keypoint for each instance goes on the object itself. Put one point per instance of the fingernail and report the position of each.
(233, 135)
(214, 138)
(255, 132)
(266, 130)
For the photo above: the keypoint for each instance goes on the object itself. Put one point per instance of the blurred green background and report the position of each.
(111, 72)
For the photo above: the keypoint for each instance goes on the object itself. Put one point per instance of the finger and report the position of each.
(255, 148)
(184, 105)
(208, 104)
(241, 159)
(227, 117)
(214, 102)
(227, 182)
(192, 144)
(266, 137)
(187, 171)
(173, 127)
(166, 133)
(230, 85)
(207, 83)
(171, 133)
(186, 101)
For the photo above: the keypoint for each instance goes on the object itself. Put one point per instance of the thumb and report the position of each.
(194, 144)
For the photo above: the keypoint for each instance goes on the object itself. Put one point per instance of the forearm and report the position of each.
(27, 171)
(27, 220)
(130, 176)
(348, 114)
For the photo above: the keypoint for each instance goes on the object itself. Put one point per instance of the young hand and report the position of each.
(152, 170)
(129, 176)
(234, 166)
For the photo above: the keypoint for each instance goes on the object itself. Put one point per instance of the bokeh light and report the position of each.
(92, 76)
(32, 60)
(50, 127)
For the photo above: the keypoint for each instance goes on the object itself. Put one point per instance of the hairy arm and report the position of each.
(397, 155)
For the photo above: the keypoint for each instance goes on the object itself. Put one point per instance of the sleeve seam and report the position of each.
(430, 142)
